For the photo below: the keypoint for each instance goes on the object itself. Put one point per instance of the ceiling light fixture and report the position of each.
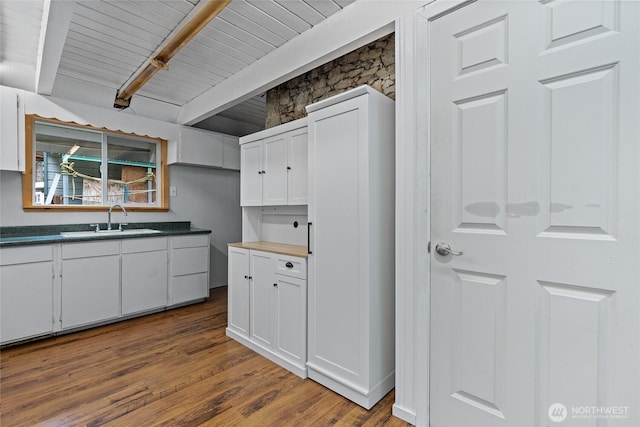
(161, 61)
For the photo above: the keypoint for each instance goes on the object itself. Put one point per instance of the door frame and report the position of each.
(413, 222)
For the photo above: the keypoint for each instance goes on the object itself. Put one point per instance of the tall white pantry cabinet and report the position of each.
(351, 261)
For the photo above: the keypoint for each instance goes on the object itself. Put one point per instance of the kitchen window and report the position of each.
(77, 167)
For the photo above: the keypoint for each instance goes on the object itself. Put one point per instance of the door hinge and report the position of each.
(429, 247)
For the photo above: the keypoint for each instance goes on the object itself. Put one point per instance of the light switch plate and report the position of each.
(173, 191)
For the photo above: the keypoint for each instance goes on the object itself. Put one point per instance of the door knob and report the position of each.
(444, 249)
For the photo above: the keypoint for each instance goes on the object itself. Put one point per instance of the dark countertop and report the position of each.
(44, 234)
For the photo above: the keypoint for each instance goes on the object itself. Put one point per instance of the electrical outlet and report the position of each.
(173, 191)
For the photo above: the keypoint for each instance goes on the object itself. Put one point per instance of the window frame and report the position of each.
(28, 176)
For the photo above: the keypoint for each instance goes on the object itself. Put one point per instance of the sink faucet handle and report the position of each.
(97, 226)
(121, 224)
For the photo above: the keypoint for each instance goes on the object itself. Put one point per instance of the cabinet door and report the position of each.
(251, 174)
(200, 147)
(274, 178)
(230, 152)
(291, 318)
(297, 167)
(239, 290)
(26, 300)
(338, 208)
(144, 281)
(10, 122)
(189, 288)
(90, 290)
(262, 298)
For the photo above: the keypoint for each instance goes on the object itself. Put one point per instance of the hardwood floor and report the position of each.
(175, 368)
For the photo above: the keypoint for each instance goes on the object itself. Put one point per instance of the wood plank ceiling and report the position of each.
(108, 40)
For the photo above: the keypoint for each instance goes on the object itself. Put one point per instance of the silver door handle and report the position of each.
(443, 248)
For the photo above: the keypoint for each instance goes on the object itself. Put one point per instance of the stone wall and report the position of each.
(373, 64)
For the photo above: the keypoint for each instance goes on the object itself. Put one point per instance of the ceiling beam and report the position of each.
(359, 23)
(56, 20)
(207, 10)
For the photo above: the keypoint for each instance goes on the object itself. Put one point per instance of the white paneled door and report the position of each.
(535, 185)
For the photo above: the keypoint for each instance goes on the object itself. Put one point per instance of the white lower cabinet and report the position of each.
(290, 320)
(238, 292)
(90, 283)
(51, 288)
(261, 293)
(144, 274)
(26, 292)
(189, 269)
(268, 306)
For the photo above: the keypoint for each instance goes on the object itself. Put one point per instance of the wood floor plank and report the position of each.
(173, 368)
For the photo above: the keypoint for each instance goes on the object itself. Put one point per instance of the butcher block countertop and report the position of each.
(278, 248)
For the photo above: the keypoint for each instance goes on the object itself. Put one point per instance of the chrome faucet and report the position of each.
(109, 219)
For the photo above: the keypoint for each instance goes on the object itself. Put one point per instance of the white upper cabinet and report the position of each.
(274, 166)
(11, 130)
(251, 174)
(274, 174)
(198, 147)
(297, 167)
(230, 152)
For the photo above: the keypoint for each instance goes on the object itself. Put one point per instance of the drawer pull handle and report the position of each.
(289, 264)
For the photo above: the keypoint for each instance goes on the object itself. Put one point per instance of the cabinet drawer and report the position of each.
(150, 244)
(189, 288)
(91, 249)
(189, 261)
(26, 254)
(192, 241)
(291, 266)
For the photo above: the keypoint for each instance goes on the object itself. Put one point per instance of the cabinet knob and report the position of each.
(288, 168)
(289, 264)
(275, 285)
(259, 172)
(246, 277)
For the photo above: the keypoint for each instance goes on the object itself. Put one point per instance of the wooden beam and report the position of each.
(56, 19)
(161, 61)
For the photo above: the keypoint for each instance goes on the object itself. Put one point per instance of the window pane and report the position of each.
(80, 166)
(132, 170)
(65, 157)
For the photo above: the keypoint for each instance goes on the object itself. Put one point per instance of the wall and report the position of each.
(373, 64)
(209, 198)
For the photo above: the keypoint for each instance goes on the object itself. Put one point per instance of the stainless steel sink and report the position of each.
(93, 233)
